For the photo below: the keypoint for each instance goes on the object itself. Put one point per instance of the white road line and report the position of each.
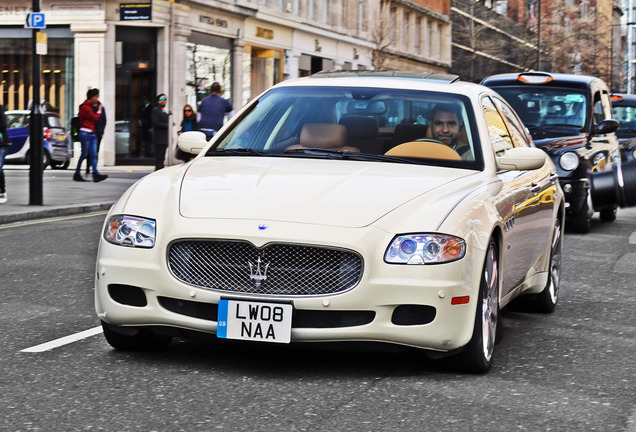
(632, 238)
(63, 340)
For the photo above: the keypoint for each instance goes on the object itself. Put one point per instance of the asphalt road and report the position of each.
(574, 370)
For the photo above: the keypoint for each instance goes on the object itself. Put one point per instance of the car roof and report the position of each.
(557, 79)
(29, 112)
(623, 99)
(444, 83)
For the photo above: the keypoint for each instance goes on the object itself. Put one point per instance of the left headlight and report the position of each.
(425, 249)
(130, 231)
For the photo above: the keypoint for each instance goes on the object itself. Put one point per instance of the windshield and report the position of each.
(627, 116)
(548, 112)
(372, 124)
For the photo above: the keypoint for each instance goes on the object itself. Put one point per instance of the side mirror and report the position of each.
(605, 127)
(192, 142)
(521, 158)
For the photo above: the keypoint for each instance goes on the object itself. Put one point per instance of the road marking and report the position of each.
(63, 340)
(22, 224)
(632, 238)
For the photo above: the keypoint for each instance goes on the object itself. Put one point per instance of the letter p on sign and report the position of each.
(35, 20)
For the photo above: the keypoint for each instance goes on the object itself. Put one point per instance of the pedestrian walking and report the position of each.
(87, 121)
(100, 126)
(4, 143)
(189, 123)
(160, 130)
(212, 111)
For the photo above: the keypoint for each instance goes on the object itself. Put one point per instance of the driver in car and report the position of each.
(446, 127)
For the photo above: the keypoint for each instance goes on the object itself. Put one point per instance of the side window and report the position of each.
(499, 136)
(517, 130)
(599, 112)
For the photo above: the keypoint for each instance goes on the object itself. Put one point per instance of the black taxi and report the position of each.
(570, 117)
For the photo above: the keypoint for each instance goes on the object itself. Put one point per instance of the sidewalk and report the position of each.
(61, 195)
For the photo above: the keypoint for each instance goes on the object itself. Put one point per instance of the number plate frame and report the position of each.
(254, 320)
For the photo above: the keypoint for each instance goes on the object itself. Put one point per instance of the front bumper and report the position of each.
(400, 304)
(575, 191)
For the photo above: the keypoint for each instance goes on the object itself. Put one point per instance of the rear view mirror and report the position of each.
(192, 142)
(521, 158)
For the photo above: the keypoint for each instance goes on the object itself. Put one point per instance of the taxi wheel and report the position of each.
(608, 215)
(581, 222)
(139, 339)
(546, 300)
(478, 354)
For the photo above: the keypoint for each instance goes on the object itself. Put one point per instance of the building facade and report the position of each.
(132, 51)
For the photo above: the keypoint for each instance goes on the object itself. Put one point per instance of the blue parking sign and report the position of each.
(35, 20)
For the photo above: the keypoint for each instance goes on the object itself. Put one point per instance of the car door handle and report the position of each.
(535, 188)
(553, 177)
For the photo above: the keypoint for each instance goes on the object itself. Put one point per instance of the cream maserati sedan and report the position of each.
(392, 207)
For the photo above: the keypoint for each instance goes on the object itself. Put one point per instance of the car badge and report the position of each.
(263, 227)
(257, 274)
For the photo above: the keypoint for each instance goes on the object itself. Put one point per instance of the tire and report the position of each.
(581, 222)
(46, 159)
(138, 340)
(546, 300)
(478, 354)
(608, 215)
(60, 165)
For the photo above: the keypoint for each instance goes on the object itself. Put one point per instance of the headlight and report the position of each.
(130, 231)
(634, 154)
(425, 249)
(569, 161)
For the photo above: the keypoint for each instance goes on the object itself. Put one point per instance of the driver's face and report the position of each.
(445, 127)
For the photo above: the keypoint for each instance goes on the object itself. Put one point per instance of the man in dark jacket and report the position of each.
(160, 130)
(212, 111)
(4, 143)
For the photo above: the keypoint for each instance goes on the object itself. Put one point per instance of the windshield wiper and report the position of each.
(342, 154)
(237, 152)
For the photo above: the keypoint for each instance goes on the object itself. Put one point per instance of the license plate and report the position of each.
(61, 137)
(265, 322)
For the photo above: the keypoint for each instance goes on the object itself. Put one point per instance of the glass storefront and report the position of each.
(135, 92)
(209, 59)
(56, 72)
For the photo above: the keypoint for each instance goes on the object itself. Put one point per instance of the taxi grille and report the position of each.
(275, 269)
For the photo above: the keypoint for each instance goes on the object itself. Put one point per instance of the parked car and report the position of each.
(333, 208)
(57, 151)
(624, 110)
(568, 116)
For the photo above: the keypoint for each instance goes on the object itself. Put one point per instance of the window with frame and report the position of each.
(497, 130)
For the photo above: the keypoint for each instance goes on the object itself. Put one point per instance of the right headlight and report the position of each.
(425, 249)
(569, 161)
(130, 231)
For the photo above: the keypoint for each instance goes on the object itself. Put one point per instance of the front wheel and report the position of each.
(581, 222)
(477, 356)
(137, 340)
(546, 300)
(608, 215)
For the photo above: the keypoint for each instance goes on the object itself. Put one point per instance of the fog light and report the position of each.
(567, 188)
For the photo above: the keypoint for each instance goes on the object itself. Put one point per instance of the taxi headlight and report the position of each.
(130, 231)
(425, 249)
(569, 161)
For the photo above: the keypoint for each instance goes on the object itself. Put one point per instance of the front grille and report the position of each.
(275, 269)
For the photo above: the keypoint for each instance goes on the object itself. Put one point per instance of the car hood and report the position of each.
(299, 190)
(561, 145)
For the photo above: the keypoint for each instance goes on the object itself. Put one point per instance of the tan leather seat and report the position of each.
(323, 135)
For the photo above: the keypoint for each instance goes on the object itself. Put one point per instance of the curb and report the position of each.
(55, 211)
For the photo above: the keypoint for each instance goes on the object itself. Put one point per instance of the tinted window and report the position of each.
(548, 112)
(497, 130)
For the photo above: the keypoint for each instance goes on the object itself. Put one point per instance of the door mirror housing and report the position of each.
(192, 142)
(521, 158)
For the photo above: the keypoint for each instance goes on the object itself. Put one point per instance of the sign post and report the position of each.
(36, 21)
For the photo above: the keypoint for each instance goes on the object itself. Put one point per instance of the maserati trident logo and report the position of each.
(258, 274)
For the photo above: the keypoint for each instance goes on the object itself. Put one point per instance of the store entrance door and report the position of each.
(134, 102)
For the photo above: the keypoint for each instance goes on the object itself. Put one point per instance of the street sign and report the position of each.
(35, 20)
